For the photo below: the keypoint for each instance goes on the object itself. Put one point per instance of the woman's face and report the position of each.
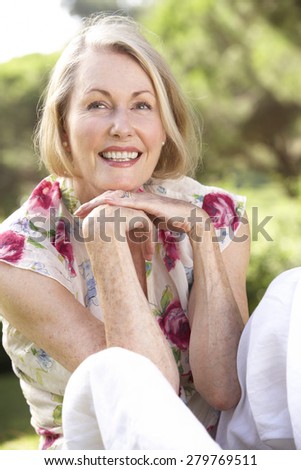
(113, 125)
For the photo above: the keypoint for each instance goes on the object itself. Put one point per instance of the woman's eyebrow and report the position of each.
(107, 93)
(137, 93)
(98, 90)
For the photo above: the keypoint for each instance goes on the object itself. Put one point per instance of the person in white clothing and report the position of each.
(268, 415)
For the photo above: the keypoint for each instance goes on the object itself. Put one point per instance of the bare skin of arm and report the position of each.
(129, 322)
(218, 303)
(218, 311)
(48, 315)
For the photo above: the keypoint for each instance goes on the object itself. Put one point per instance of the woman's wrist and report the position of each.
(201, 227)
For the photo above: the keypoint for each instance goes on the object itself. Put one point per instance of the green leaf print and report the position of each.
(34, 243)
(176, 354)
(24, 376)
(57, 412)
(240, 208)
(57, 398)
(166, 298)
(70, 200)
(39, 376)
(57, 415)
(33, 226)
(148, 268)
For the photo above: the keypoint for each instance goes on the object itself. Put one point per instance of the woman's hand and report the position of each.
(217, 303)
(106, 224)
(164, 212)
(116, 237)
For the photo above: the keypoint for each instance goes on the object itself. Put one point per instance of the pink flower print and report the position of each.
(171, 250)
(220, 207)
(45, 195)
(49, 437)
(61, 241)
(11, 246)
(175, 325)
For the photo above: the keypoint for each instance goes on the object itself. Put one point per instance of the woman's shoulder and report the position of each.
(187, 187)
(38, 235)
(212, 199)
(46, 199)
(51, 193)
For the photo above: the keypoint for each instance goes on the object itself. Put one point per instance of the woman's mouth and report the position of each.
(120, 156)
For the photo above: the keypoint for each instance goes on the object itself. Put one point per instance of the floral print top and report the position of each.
(43, 236)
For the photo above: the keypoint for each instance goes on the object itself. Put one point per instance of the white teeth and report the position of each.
(120, 156)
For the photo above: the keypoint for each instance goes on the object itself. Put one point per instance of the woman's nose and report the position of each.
(121, 125)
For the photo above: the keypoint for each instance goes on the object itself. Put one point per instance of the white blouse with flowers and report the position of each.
(44, 236)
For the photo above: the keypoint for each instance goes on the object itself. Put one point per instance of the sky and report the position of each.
(28, 26)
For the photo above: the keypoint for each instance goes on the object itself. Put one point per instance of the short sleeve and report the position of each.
(225, 209)
(40, 235)
(25, 247)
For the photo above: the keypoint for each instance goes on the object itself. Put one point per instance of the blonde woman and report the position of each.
(119, 246)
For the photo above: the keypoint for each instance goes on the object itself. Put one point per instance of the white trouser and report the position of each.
(117, 399)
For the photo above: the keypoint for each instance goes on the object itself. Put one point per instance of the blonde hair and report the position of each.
(180, 154)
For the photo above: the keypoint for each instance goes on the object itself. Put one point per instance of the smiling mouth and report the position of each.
(120, 156)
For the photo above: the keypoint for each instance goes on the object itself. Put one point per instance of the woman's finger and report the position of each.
(166, 213)
(87, 207)
(120, 221)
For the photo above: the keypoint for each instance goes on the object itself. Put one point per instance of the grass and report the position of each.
(16, 433)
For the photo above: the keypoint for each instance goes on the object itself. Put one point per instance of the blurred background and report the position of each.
(238, 62)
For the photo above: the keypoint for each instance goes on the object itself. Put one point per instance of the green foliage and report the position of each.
(240, 64)
(21, 84)
(276, 247)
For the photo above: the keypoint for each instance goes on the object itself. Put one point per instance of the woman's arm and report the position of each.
(49, 316)
(218, 302)
(129, 322)
(217, 312)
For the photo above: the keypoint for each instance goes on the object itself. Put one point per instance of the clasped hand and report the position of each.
(138, 216)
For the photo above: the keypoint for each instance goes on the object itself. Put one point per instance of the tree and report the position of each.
(240, 62)
(22, 81)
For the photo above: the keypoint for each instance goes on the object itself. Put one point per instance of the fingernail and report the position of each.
(80, 210)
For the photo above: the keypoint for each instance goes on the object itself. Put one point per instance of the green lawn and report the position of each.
(16, 432)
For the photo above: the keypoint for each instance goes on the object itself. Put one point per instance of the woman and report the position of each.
(116, 246)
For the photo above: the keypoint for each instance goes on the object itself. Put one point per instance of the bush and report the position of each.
(279, 248)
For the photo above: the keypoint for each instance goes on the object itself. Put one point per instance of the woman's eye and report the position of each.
(143, 105)
(97, 105)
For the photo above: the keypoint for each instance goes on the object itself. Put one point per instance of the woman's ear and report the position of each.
(64, 135)
(65, 142)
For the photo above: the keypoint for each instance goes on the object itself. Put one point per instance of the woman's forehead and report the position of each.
(110, 69)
